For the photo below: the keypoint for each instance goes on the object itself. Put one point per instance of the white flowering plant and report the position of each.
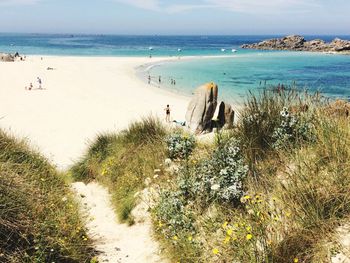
(292, 128)
(221, 177)
(180, 146)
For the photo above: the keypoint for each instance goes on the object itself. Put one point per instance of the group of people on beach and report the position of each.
(172, 81)
(39, 81)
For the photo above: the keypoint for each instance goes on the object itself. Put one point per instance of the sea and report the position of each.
(201, 59)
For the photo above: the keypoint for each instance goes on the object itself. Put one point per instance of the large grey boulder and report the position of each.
(226, 115)
(6, 57)
(202, 107)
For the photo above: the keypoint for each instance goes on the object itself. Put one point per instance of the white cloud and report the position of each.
(18, 2)
(267, 6)
(144, 4)
(244, 6)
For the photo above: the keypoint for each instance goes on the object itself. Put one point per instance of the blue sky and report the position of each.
(176, 16)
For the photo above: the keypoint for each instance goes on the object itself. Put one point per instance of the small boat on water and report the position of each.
(179, 49)
(234, 50)
(223, 50)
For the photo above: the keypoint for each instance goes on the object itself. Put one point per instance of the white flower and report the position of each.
(148, 181)
(215, 187)
(167, 162)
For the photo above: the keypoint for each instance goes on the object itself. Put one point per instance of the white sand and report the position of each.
(83, 96)
(118, 243)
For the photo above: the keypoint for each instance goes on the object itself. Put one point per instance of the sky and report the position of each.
(176, 17)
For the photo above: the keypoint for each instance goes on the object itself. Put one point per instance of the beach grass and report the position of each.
(123, 161)
(39, 219)
(273, 189)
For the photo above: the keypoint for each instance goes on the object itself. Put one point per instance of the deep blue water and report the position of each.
(242, 71)
(109, 45)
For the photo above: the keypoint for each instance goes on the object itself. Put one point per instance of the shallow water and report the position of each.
(241, 73)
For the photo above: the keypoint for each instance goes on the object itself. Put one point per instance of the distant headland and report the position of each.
(298, 43)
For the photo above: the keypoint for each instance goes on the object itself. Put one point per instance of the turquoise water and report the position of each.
(245, 72)
(242, 71)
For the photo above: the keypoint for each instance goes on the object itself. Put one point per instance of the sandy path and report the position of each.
(118, 243)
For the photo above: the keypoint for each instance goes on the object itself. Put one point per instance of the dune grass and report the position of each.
(123, 161)
(296, 192)
(39, 221)
(273, 189)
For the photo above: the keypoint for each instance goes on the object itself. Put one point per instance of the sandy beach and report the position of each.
(81, 97)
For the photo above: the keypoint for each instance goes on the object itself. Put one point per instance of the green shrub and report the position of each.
(180, 146)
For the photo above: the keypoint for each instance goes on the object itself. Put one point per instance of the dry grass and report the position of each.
(39, 221)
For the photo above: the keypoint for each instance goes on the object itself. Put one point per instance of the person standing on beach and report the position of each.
(160, 79)
(39, 82)
(149, 79)
(167, 112)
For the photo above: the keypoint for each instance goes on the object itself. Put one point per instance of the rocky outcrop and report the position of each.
(298, 43)
(226, 116)
(6, 57)
(202, 107)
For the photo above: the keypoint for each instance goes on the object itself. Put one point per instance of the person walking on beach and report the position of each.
(149, 79)
(160, 79)
(39, 82)
(167, 112)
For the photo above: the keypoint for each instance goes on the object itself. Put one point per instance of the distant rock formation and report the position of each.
(298, 43)
(202, 107)
(6, 57)
(226, 116)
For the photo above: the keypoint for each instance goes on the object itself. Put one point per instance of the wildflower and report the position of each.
(248, 228)
(64, 199)
(249, 236)
(296, 260)
(160, 224)
(190, 238)
(215, 251)
(175, 238)
(227, 240)
(288, 214)
(247, 197)
(229, 232)
(215, 187)
(224, 225)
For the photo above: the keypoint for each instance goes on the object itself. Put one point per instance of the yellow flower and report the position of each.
(175, 238)
(227, 240)
(190, 238)
(160, 224)
(229, 232)
(247, 197)
(215, 251)
(248, 228)
(288, 214)
(296, 260)
(249, 236)
(224, 225)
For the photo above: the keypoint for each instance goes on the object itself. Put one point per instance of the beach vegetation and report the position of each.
(273, 189)
(39, 218)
